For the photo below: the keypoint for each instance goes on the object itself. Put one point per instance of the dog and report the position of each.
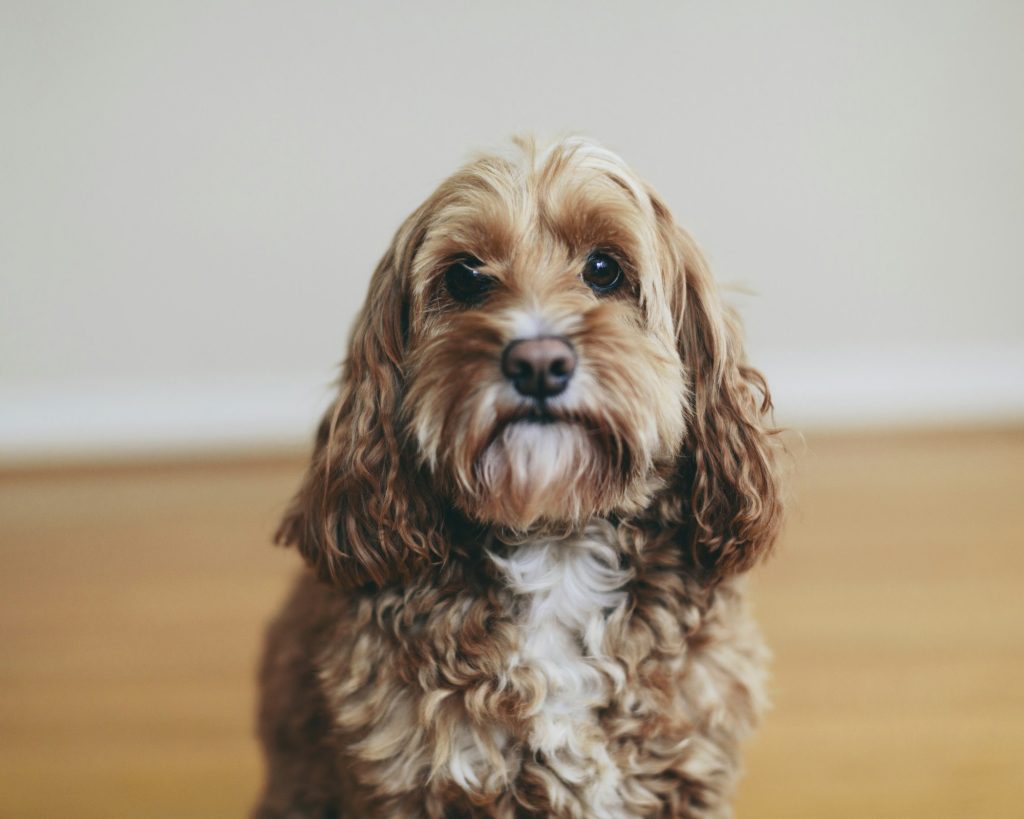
(526, 519)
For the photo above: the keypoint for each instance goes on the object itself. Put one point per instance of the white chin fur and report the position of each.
(536, 453)
(539, 463)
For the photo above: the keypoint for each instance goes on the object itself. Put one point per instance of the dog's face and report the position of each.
(541, 345)
(543, 376)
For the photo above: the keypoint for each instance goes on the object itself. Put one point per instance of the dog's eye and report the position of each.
(465, 282)
(602, 273)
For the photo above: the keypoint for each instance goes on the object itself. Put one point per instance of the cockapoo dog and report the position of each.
(526, 518)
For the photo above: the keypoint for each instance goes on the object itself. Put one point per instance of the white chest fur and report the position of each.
(569, 588)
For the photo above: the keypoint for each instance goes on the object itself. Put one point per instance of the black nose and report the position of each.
(539, 367)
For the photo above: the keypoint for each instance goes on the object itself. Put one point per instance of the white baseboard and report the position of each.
(119, 420)
(908, 387)
(897, 387)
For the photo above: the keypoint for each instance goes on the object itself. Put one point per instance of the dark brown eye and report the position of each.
(602, 273)
(465, 282)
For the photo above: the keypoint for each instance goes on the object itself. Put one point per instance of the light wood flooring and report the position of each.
(132, 600)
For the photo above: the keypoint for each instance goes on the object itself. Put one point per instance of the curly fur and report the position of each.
(508, 619)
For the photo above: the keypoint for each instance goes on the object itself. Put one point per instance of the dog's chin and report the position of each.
(540, 471)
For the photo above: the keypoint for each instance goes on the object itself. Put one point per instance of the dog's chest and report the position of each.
(565, 592)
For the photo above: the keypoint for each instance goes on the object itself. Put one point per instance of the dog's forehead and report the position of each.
(579, 160)
(574, 194)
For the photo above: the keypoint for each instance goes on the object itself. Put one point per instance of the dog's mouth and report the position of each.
(541, 414)
(537, 415)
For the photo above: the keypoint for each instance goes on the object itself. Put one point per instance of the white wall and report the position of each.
(193, 195)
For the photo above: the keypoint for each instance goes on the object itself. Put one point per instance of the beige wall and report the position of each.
(192, 195)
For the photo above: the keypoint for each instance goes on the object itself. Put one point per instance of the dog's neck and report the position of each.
(570, 588)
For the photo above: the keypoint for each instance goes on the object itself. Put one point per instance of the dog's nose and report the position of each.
(539, 367)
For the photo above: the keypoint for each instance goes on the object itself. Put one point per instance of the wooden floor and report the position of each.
(132, 601)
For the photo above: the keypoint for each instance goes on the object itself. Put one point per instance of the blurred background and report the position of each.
(193, 196)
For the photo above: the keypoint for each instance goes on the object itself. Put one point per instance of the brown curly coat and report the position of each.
(557, 633)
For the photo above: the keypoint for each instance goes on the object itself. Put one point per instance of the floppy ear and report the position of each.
(363, 514)
(727, 485)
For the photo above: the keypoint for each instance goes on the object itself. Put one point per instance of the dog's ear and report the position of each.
(725, 497)
(364, 514)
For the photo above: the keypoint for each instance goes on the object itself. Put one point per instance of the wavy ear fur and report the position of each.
(364, 515)
(726, 493)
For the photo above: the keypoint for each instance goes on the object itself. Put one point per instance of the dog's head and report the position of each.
(541, 345)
